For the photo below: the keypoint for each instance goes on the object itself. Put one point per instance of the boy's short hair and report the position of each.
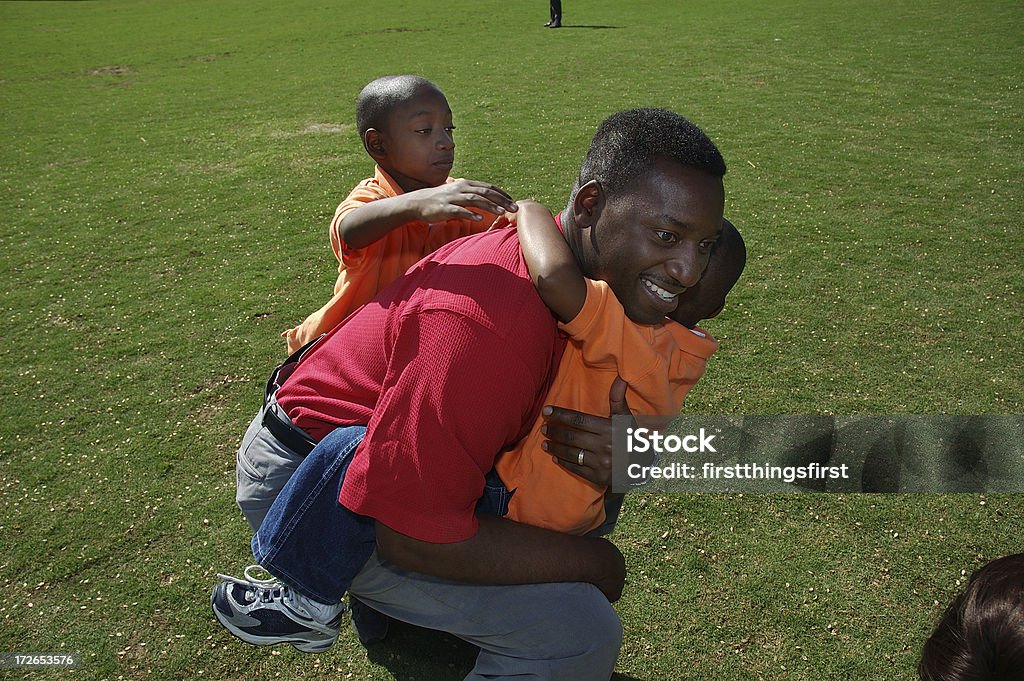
(379, 97)
(707, 298)
(626, 145)
(981, 635)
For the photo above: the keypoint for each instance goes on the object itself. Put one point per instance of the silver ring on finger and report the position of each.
(579, 459)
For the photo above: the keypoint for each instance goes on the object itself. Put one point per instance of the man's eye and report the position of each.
(450, 128)
(667, 237)
(424, 131)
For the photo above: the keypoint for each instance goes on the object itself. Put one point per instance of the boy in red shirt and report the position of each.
(409, 208)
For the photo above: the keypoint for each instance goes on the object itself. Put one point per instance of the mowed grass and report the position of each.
(168, 171)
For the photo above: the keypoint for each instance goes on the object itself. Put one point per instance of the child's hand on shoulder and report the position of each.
(452, 201)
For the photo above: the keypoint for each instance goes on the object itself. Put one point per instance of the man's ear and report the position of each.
(373, 142)
(587, 204)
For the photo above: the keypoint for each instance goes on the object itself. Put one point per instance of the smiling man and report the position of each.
(646, 238)
(424, 386)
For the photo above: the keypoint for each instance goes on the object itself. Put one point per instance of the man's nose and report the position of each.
(687, 267)
(445, 140)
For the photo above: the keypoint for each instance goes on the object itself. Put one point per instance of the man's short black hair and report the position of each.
(626, 145)
(381, 96)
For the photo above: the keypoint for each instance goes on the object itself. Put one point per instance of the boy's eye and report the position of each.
(424, 131)
(450, 129)
(667, 237)
(708, 244)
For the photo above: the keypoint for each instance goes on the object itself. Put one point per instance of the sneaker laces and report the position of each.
(270, 590)
(266, 589)
(251, 580)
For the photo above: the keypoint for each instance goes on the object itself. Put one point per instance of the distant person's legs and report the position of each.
(556, 14)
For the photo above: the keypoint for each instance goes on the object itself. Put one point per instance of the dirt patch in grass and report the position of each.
(209, 57)
(396, 29)
(325, 129)
(316, 129)
(115, 70)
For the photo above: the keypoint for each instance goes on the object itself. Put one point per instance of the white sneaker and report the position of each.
(266, 612)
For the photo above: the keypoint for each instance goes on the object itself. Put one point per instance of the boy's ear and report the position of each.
(587, 204)
(373, 142)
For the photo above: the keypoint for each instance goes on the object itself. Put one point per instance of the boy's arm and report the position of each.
(370, 222)
(553, 268)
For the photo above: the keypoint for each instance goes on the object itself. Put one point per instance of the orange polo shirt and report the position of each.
(660, 363)
(363, 272)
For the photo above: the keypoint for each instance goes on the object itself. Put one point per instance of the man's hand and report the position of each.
(450, 201)
(571, 434)
(615, 580)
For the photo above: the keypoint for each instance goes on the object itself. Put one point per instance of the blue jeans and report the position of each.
(313, 543)
(538, 632)
(307, 539)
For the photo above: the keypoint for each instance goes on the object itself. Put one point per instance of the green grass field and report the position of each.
(168, 170)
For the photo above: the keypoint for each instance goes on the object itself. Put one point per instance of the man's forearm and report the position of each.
(506, 552)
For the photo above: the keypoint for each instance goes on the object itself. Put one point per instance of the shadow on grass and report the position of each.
(564, 26)
(413, 654)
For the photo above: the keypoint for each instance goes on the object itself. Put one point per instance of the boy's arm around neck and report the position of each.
(552, 266)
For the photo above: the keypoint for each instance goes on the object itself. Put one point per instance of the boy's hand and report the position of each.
(570, 432)
(450, 201)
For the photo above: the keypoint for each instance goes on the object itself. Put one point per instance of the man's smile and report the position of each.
(660, 290)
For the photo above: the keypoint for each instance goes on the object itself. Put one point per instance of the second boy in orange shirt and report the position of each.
(410, 206)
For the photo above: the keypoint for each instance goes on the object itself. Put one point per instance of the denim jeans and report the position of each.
(543, 632)
(308, 540)
(313, 543)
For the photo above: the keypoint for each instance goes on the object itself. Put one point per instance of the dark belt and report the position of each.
(281, 427)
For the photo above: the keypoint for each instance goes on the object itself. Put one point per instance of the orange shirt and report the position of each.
(660, 363)
(363, 272)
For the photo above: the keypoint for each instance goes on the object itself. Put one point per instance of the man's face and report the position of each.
(653, 241)
(418, 146)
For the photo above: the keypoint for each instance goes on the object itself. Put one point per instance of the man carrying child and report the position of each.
(421, 389)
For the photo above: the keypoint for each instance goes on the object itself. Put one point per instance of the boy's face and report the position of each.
(652, 242)
(417, 145)
(706, 300)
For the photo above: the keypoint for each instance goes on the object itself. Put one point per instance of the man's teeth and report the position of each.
(660, 292)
